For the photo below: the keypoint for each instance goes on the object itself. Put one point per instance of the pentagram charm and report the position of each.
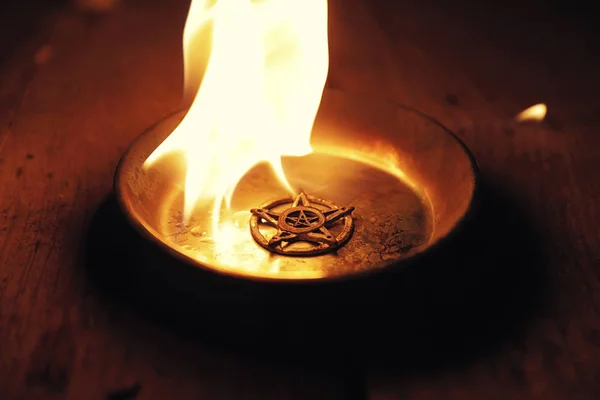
(308, 227)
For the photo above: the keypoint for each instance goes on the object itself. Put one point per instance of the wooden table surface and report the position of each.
(76, 88)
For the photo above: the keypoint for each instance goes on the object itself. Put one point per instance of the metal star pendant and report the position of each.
(304, 228)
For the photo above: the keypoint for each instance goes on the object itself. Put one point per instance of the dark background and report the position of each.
(513, 310)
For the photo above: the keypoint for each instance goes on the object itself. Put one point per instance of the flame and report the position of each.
(536, 112)
(256, 70)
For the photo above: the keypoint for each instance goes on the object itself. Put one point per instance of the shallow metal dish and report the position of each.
(412, 183)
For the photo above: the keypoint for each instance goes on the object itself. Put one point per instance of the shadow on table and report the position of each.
(460, 303)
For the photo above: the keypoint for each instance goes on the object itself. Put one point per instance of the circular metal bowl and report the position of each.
(412, 183)
(413, 187)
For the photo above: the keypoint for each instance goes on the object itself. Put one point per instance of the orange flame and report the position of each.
(257, 71)
(536, 112)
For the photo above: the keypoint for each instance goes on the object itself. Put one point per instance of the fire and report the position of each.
(536, 112)
(256, 70)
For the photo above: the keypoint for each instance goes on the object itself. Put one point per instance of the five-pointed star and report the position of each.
(302, 220)
(305, 218)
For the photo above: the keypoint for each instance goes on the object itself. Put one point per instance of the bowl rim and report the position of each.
(153, 236)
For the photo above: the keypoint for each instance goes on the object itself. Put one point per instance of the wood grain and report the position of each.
(67, 114)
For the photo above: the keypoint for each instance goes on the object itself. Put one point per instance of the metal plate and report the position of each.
(412, 182)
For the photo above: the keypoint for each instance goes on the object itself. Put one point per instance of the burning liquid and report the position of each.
(257, 70)
(392, 220)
